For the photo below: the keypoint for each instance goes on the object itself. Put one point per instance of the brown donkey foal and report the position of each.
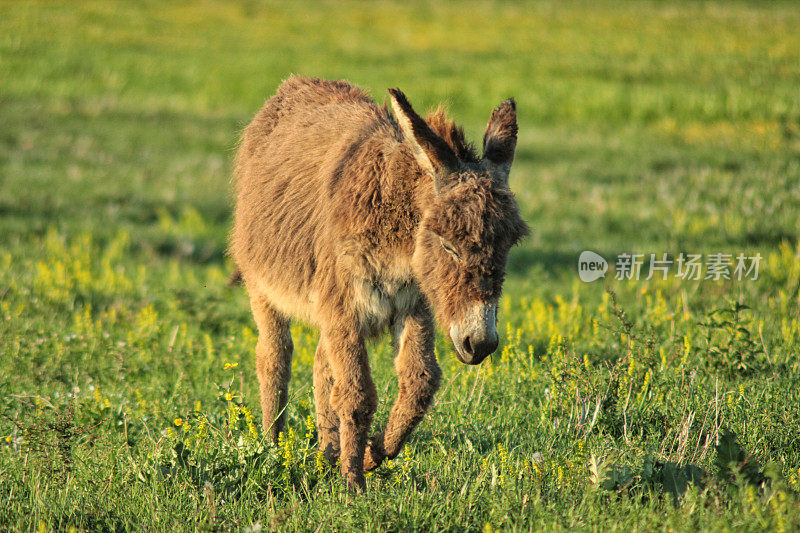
(354, 221)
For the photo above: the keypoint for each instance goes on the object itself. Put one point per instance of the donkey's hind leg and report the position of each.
(327, 419)
(273, 363)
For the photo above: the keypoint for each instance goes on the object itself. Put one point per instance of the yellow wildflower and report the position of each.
(320, 462)
(233, 414)
(251, 428)
(309, 427)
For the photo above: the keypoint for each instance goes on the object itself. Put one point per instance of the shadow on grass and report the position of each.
(523, 261)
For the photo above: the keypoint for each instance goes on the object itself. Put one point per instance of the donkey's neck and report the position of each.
(406, 193)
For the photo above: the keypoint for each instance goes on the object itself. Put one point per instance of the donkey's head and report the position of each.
(469, 224)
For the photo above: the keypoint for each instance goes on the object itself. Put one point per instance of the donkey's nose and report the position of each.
(475, 335)
(477, 347)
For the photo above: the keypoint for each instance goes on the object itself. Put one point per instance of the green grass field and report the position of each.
(127, 382)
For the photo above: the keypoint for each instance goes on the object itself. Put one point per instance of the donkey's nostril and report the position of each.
(467, 345)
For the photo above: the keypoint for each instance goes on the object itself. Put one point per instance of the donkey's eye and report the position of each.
(450, 249)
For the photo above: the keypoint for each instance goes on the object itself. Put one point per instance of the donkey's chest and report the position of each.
(381, 303)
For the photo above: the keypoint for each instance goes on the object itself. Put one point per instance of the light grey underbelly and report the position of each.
(380, 304)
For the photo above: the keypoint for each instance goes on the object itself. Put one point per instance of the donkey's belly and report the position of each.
(296, 304)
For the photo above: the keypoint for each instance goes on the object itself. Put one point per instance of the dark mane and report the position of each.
(452, 134)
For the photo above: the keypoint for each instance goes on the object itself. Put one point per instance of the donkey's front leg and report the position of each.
(418, 375)
(353, 397)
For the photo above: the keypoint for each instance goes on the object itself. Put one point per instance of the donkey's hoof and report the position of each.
(331, 454)
(373, 456)
(355, 482)
(370, 463)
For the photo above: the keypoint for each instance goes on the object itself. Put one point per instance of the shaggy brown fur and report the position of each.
(354, 221)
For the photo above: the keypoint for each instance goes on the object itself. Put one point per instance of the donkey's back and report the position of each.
(301, 100)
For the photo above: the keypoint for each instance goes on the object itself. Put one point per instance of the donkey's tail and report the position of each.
(235, 279)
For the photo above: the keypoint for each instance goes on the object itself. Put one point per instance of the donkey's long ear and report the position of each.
(431, 151)
(500, 140)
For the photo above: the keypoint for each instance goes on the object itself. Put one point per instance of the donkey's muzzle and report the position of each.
(473, 351)
(475, 337)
